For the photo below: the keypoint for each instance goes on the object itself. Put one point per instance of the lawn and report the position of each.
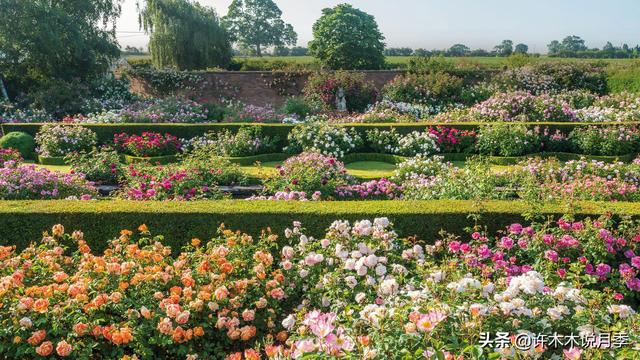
(402, 61)
(364, 170)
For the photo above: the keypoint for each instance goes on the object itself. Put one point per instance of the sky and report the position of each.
(438, 24)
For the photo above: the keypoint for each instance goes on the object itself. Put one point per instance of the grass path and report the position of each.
(364, 170)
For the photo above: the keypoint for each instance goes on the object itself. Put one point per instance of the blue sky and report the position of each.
(435, 24)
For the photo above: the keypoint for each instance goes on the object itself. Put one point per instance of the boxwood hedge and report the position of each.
(105, 132)
(22, 222)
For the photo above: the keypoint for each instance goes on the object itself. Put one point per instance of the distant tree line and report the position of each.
(574, 47)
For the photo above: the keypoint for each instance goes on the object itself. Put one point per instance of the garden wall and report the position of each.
(260, 88)
(22, 222)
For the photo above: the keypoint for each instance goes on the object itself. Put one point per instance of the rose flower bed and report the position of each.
(359, 292)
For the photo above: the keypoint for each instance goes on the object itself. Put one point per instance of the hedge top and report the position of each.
(22, 222)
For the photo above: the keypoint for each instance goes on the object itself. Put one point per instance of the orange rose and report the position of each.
(143, 228)
(80, 328)
(272, 350)
(36, 337)
(41, 305)
(282, 336)
(221, 293)
(58, 230)
(63, 348)
(198, 331)
(251, 354)
(195, 242)
(45, 349)
(226, 268)
(247, 332)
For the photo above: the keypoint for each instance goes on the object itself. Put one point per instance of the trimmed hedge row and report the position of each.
(22, 222)
(105, 132)
(396, 159)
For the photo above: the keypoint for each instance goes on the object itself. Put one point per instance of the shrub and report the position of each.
(157, 110)
(321, 137)
(549, 180)
(451, 140)
(424, 296)
(437, 89)
(213, 169)
(545, 77)
(421, 166)
(520, 106)
(411, 144)
(28, 182)
(418, 143)
(248, 141)
(507, 140)
(59, 140)
(604, 141)
(308, 173)
(357, 91)
(255, 114)
(148, 144)
(382, 189)
(100, 165)
(198, 177)
(473, 182)
(300, 107)
(12, 155)
(111, 297)
(384, 141)
(20, 141)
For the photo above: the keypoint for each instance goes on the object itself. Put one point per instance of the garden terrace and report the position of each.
(106, 132)
(100, 220)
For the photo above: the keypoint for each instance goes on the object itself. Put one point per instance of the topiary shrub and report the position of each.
(20, 141)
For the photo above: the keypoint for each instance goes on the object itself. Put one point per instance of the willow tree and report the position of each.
(185, 35)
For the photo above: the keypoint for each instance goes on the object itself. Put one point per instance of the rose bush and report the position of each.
(149, 144)
(360, 291)
(308, 173)
(28, 182)
(59, 140)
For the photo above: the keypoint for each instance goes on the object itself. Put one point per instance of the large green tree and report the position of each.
(258, 24)
(347, 38)
(185, 35)
(43, 42)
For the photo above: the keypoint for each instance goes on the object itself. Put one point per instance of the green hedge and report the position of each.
(105, 132)
(22, 222)
(396, 159)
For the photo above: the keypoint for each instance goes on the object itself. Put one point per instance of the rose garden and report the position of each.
(450, 209)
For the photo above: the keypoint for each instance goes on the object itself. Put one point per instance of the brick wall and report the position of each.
(254, 87)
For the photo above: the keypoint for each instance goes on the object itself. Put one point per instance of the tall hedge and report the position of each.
(22, 222)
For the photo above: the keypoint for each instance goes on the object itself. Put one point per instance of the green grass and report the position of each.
(402, 61)
(364, 170)
(369, 170)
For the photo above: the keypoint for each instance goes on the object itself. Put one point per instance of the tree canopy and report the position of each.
(347, 38)
(257, 24)
(185, 35)
(43, 41)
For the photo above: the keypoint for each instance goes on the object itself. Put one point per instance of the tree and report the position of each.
(521, 49)
(258, 24)
(458, 50)
(45, 43)
(505, 48)
(185, 35)
(573, 44)
(554, 47)
(347, 38)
